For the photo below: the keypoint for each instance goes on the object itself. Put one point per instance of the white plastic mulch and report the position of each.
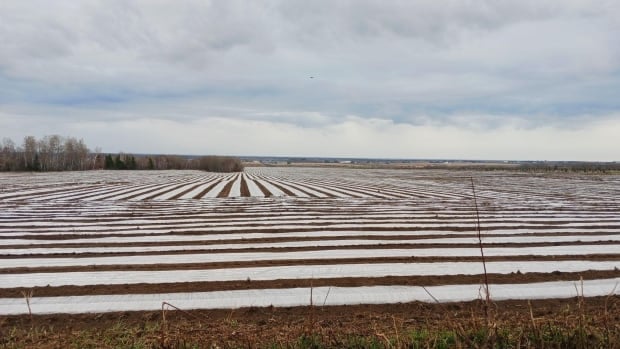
(301, 296)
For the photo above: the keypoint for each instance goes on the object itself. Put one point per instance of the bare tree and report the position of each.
(8, 154)
(30, 150)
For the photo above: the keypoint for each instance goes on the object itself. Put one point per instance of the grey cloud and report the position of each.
(324, 21)
(424, 63)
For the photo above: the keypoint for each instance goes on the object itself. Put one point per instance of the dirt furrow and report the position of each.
(275, 239)
(310, 247)
(207, 189)
(245, 191)
(434, 280)
(263, 189)
(265, 263)
(177, 196)
(226, 190)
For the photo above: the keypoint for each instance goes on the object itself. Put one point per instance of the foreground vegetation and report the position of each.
(577, 323)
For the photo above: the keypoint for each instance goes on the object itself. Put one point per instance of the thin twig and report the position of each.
(529, 304)
(312, 319)
(605, 312)
(484, 263)
(398, 344)
(455, 324)
(28, 296)
(164, 328)
(311, 291)
(430, 294)
(327, 295)
(183, 311)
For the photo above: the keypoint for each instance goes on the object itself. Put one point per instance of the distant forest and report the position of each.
(57, 153)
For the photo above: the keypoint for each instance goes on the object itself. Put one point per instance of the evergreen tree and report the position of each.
(109, 162)
(131, 163)
(118, 163)
(36, 164)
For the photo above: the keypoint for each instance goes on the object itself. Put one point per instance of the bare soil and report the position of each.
(226, 190)
(263, 189)
(296, 249)
(433, 280)
(245, 191)
(266, 263)
(285, 327)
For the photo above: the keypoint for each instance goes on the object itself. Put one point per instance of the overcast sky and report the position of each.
(398, 79)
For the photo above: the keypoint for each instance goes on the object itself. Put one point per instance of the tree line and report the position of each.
(57, 153)
(572, 167)
(172, 162)
(50, 153)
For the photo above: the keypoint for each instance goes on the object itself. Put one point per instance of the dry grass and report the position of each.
(576, 323)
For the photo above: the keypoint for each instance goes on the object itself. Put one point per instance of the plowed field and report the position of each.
(102, 241)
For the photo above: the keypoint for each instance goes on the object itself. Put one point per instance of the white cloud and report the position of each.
(351, 137)
(498, 71)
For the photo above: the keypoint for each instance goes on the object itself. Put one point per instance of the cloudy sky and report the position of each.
(398, 79)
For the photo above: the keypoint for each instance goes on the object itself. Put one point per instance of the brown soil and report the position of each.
(261, 327)
(250, 227)
(206, 190)
(412, 238)
(167, 191)
(113, 193)
(154, 189)
(316, 189)
(264, 189)
(282, 189)
(242, 264)
(226, 190)
(340, 282)
(51, 191)
(297, 249)
(186, 191)
(245, 191)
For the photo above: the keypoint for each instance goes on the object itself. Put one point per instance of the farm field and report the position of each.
(108, 241)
